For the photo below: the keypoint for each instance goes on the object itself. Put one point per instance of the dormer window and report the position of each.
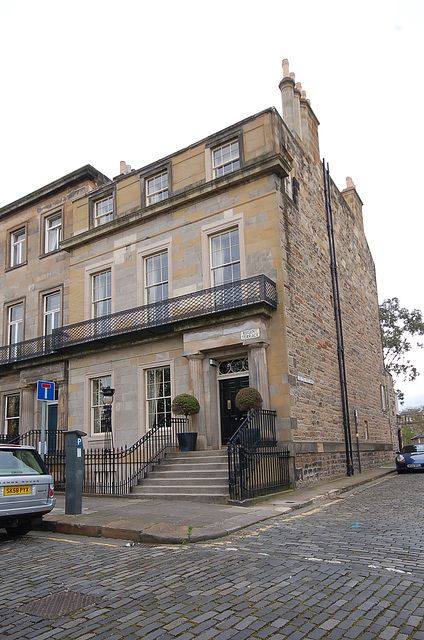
(226, 158)
(103, 211)
(157, 188)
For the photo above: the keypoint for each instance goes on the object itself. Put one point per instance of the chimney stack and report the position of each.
(297, 117)
(124, 168)
(287, 94)
(354, 202)
(298, 114)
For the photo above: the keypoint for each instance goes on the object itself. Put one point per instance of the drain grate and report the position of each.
(57, 604)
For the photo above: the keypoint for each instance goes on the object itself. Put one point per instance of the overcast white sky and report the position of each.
(97, 81)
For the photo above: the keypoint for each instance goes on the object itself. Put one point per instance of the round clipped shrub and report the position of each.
(248, 399)
(185, 404)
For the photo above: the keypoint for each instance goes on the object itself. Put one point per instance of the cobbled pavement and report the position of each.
(351, 567)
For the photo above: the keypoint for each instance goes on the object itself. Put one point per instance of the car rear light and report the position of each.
(51, 491)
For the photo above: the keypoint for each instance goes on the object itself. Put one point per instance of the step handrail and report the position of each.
(256, 430)
(121, 468)
(109, 469)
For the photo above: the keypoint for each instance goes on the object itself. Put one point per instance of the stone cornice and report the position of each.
(65, 181)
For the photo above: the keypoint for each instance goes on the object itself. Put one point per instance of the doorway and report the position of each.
(231, 417)
(51, 427)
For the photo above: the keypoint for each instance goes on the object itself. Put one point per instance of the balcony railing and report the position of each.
(26, 349)
(148, 318)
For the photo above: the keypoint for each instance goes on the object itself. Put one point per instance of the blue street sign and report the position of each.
(45, 391)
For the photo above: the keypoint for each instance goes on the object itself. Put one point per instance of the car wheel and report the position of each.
(21, 530)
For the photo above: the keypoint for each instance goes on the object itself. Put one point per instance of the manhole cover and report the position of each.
(57, 604)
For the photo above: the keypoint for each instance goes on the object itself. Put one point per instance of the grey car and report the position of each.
(26, 488)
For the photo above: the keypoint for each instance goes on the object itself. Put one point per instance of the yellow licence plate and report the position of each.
(19, 490)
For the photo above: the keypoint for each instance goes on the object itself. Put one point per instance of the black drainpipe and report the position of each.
(338, 319)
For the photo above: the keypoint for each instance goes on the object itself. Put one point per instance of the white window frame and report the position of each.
(233, 262)
(157, 187)
(53, 314)
(105, 215)
(226, 158)
(15, 328)
(161, 284)
(17, 247)
(142, 390)
(88, 285)
(52, 232)
(97, 408)
(230, 221)
(151, 399)
(100, 301)
(142, 255)
(7, 418)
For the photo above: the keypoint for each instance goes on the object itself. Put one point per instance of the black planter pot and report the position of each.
(187, 441)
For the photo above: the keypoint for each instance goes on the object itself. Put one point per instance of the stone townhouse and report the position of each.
(209, 270)
(34, 297)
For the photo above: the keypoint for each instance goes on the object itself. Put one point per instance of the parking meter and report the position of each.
(74, 459)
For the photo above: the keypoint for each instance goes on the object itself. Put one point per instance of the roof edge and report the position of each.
(87, 171)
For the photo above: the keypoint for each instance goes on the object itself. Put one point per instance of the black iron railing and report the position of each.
(54, 450)
(148, 318)
(116, 471)
(107, 470)
(26, 349)
(257, 464)
(54, 439)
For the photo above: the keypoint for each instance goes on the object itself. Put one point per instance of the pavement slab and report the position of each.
(174, 522)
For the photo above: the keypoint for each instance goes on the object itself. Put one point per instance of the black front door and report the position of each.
(231, 417)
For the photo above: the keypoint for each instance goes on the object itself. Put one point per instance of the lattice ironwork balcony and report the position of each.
(26, 349)
(148, 318)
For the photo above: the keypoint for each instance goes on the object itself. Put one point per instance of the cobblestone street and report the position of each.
(346, 568)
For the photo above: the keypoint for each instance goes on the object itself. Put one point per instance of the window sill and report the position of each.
(16, 266)
(50, 253)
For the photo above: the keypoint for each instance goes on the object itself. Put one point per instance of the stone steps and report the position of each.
(194, 475)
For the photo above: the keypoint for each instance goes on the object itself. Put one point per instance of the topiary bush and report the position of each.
(185, 404)
(248, 399)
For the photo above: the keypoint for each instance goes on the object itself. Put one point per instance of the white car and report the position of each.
(26, 488)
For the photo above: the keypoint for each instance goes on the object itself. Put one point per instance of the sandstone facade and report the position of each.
(163, 256)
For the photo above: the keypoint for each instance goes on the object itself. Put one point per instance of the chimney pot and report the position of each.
(292, 76)
(124, 168)
(285, 68)
(349, 183)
